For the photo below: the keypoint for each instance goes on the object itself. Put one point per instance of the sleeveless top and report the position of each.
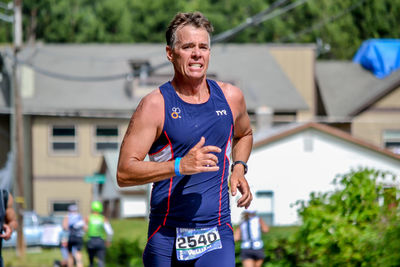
(96, 226)
(3, 207)
(75, 225)
(199, 200)
(251, 234)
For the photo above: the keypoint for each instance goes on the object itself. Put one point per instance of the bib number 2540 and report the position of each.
(194, 241)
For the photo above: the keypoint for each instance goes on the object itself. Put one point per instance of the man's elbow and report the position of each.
(124, 180)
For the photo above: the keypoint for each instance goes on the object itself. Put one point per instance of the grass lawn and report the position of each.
(39, 257)
(128, 229)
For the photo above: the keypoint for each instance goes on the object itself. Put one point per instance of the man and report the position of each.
(8, 219)
(74, 223)
(189, 126)
(250, 232)
(100, 234)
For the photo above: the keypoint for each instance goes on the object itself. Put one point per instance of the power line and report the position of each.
(67, 77)
(262, 16)
(322, 23)
(252, 21)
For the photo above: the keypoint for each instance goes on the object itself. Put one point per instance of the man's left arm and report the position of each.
(10, 220)
(242, 143)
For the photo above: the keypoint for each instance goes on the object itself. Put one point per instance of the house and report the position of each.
(121, 202)
(354, 100)
(77, 101)
(290, 161)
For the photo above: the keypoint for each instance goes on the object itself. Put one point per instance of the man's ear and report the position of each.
(168, 49)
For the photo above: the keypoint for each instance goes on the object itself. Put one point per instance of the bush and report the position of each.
(125, 253)
(350, 226)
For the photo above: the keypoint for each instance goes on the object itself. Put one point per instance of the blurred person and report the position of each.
(99, 232)
(190, 127)
(64, 250)
(250, 233)
(8, 219)
(74, 224)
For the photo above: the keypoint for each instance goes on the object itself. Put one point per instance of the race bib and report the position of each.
(192, 243)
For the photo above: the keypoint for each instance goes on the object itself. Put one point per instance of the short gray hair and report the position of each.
(196, 19)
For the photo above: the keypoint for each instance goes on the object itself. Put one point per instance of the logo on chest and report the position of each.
(175, 113)
(221, 112)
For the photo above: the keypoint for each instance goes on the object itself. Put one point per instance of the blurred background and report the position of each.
(321, 80)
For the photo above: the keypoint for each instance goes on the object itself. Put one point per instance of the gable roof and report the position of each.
(272, 135)
(249, 66)
(347, 89)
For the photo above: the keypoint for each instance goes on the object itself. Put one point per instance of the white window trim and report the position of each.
(54, 201)
(105, 139)
(393, 139)
(53, 139)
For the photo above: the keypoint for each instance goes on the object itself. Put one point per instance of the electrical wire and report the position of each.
(266, 14)
(321, 23)
(55, 75)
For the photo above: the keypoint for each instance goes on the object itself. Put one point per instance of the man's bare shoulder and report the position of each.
(152, 101)
(231, 92)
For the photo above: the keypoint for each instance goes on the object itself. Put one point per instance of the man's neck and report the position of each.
(192, 91)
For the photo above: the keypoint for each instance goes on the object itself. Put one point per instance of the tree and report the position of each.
(350, 226)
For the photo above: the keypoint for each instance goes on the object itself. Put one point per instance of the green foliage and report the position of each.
(348, 227)
(124, 252)
(343, 24)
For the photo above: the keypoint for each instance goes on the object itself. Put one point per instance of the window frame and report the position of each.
(105, 139)
(386, 140)
(69, 202)
(63, 139)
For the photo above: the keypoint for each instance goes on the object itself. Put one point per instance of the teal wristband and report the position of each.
(177, 163)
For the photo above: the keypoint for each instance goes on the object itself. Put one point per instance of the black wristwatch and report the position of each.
(239, 162)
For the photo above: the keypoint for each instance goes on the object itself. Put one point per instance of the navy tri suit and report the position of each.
(191, 201)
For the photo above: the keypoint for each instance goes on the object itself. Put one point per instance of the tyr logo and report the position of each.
(221, 112)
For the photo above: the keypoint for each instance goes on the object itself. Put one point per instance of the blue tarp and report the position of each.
(380, 56)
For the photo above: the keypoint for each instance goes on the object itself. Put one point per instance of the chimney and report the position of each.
(140, 69)
(264, 117)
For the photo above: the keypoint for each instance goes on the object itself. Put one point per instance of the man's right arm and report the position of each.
(144, 128)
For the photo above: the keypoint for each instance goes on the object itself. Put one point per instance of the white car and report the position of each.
(45, 231)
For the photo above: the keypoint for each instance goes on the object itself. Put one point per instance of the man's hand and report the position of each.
(238, 181)
(200, 159)
(7, 232)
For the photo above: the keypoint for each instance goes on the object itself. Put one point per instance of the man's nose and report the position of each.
(196, 52)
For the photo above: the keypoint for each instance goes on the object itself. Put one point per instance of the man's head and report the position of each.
(195, 19)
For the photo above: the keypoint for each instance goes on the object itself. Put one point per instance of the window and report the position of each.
(106, 138)
(263, 203)
(391, 140)
(63, 139)
(61, 206)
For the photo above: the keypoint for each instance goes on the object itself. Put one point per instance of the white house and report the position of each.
(291, 161)
(121, 202)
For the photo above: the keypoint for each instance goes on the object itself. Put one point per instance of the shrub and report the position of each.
(125, 253)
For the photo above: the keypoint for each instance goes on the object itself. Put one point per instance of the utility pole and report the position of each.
(18, 126)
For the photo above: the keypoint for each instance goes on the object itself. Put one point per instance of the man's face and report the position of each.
(191, 53)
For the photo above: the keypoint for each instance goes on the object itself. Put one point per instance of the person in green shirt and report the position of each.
(99, 232)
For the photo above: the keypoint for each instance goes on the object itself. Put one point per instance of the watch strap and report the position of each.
(239, 162)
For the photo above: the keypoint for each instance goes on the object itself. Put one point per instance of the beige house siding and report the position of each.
(298, 62)
(83, 162)
(60, 177)
(384, 115)
(390, 101)
(49, 190)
